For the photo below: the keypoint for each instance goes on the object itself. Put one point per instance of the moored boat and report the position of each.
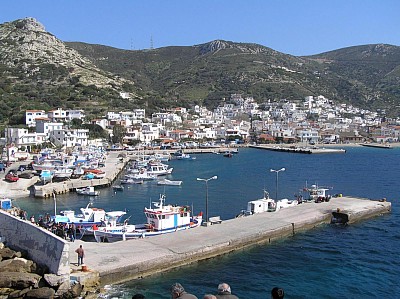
(89, 216)
(161, 219)
(169, 182)
(118, 187)
(87, 191)
(131, 181)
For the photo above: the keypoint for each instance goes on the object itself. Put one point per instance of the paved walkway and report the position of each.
(122, 261)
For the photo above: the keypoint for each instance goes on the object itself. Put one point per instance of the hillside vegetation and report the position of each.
(38, 71)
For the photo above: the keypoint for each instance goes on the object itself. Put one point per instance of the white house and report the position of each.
(75, 114)
(69, 138)
(58, 115)
(21, 137)
(32, 115)
(43, 126)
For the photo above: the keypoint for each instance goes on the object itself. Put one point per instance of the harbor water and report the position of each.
(356, 261)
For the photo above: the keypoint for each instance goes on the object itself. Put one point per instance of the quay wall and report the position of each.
(42, 246)
(123, 261)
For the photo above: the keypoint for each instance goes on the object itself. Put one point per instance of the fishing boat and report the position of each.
(131, 181)
(228, 154)
(118, 187)
(267, 204)
(161, 219)
(158, 169)
(180, 155)
(142, 175)
(63, 172)
(89, 216)
(317, 194)
(169, 182)
(87, 191)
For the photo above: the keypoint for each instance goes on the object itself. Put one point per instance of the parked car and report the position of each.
(11, 177)
(26, 175)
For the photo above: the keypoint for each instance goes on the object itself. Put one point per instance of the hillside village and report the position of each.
(237, 120)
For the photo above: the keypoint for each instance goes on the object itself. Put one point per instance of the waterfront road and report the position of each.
(126, 260)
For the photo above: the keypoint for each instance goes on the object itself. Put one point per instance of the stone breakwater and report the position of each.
(23, 278)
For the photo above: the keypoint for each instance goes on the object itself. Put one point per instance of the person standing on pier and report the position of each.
(72, 232)
(81, 254)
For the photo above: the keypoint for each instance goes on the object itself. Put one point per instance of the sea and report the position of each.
(360, 260)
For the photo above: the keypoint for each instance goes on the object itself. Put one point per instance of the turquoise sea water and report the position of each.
(357, 261)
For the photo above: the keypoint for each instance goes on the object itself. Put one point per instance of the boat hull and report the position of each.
(141, 231)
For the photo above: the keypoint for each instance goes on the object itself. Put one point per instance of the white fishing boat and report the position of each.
(316, 194)
(142, 175)
(266, 204)
(169, 182)
(180, 155)
(87, 191)
(88, 217)
(63, 172)
(131, 181)
(161, 219)
(118, 187)
(158, 169)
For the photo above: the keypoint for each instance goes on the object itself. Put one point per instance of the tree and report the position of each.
(76, 123)
(118, 134)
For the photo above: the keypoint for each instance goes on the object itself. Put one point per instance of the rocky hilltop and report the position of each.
(27, 46)
(39, 71)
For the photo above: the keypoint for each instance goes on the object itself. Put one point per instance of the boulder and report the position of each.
(19, 280)
(63, 289)
(76, 289)
(1, 245)
(18, 293)
(16, 265)
(7, 253)
(5, 291)
(55, 280)
(45, 293)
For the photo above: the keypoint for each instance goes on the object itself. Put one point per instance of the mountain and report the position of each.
(370, 73)
(39, 71)
(366, 76)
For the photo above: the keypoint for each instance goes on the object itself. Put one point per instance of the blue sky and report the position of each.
(297, 27)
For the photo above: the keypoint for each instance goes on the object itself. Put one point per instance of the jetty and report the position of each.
(299, 150)
(127, 260)
(114, 164)
(110, 263)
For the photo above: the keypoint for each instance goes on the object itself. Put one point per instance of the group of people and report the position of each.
(223, 292)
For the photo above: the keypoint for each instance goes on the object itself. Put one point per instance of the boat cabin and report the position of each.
(264, 204)
(166, 217)
(317, 193)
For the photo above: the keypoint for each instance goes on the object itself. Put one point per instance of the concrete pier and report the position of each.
(123, 261)
(300, 150)
(113, 166)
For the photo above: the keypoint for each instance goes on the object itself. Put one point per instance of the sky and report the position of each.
(296, 27)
